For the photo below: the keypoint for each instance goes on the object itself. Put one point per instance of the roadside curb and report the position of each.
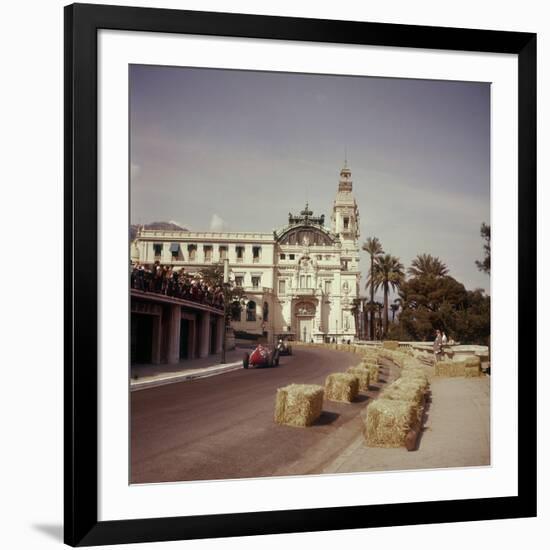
(194, 375)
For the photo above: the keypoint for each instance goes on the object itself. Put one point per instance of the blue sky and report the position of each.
(237, 150)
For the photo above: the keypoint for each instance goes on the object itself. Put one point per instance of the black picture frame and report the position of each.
(81, 25)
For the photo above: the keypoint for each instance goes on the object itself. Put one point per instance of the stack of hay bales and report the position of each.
(472, 366)
(362, 373)
(412, 390)
(394, 420)
(298, 404)
(449, 368)
(410, 362)
(396, 356)
(373, 369)
(390, 344)
(389, 423)
(341, 386)
(370, 356)
(468, 367)
(414, 372)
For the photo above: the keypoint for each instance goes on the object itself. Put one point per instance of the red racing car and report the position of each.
(261, 356)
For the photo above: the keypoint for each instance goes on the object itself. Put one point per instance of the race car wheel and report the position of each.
(246, 360)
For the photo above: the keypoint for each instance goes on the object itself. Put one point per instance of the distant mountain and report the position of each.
(162, 226)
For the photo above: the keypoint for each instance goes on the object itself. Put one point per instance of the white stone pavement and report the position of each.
(456, 433)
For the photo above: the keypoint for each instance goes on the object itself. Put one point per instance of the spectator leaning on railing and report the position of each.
(178, 284)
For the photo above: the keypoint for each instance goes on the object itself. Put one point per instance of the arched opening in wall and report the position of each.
(251, 311)
(236, 311)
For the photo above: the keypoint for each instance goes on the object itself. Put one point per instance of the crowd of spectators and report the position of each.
(164, 279)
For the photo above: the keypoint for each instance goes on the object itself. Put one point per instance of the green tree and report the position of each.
(473, 323)
(355, 308)
(233, 295)
(429, 302)
(394, 309)
(388, 273)
(485, 264)
(426, 264)
(373, 248)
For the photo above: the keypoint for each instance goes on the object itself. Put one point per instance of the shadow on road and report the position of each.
(425, 416)
(361, 398)
(327, 418)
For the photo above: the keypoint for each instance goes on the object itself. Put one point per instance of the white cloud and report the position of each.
(217, 223)
(175, 222)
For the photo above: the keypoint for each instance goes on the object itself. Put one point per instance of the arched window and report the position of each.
(236, 311)
(251, 311)
(266, 311)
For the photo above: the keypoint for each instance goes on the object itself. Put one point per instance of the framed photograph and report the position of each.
(300, 257)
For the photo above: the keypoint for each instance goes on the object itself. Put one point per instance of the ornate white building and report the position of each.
(301, 279)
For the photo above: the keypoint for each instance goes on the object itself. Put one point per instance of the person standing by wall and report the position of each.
(437, 346)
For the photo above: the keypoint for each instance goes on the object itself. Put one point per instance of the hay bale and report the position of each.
(373, 371)
(390, 344)
(455, 369)
(416, 373)
(406, 389)
(471, 371)
(341, 386)
(389, 422)
(411, 363)
(298, 404)
(362, 374)
(443, 368)
(369, 357)
(472, 361)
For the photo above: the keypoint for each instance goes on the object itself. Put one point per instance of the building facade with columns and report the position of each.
(300, 280)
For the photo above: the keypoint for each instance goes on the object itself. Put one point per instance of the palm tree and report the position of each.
(373, 248)
(388, 273)
(426, 264)
(355, 307)
(394, 307)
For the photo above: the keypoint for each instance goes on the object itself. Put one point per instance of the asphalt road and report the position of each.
(222, 427)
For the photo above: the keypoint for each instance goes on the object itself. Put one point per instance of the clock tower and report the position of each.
(345, 214)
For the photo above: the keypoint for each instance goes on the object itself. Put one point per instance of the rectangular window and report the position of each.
(192, 252)
(283, 256)
(223, 252)
(346, 224)
(157, 248)
(256, 281)
(207, 253)
(239, 279)
(239, 250)
(302, 281)
(251, 311)
(256, 253)
(308, 281)
(319, 257)
(282, 288)
(291, 256)
(328, 287)
(175, 250)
